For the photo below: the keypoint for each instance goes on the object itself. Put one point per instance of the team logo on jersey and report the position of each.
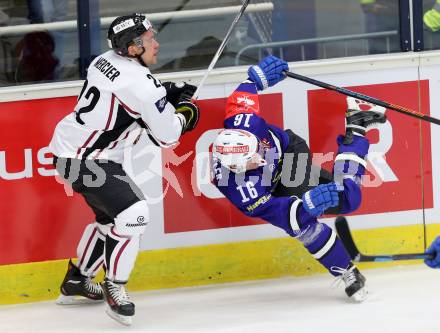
(247, 103)
(245, 100)
(160, 104)
(242, 102)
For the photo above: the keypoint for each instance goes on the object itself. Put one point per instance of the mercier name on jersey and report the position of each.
(107, 68)
(111, 113)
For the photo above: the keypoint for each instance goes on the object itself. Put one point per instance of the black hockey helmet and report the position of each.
(125, 31)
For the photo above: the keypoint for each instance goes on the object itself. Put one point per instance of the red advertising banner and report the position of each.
(38, 220)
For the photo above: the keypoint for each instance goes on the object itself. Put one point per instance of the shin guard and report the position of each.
(122, 242)
(90, 249)
(325, 246)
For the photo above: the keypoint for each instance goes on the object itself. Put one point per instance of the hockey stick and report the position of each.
(220, 49)
(344, 234)
(365, 98)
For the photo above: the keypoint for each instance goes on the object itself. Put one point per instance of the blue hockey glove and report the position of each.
(268, 72)
(434, 248)
(317, 200)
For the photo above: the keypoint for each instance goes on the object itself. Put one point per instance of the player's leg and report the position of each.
(78, 280)
(325, 246)
(121, 248)
(78, 285)
(320, 240)
(90, 253)
(114, 198)
(120, 199)
(90, 250)
(350, 161)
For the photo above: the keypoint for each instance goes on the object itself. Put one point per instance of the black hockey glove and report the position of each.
(190, 113)
(180, 91)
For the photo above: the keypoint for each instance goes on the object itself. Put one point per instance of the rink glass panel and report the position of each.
(313, 30)
(37, 55)
(307, 26)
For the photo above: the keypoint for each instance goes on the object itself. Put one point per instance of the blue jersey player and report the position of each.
(266, 172)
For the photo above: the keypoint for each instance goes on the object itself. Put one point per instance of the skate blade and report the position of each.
(360, 296)
(75, 300)
(124, 320)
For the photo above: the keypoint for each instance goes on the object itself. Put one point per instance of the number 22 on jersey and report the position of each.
(92, 95)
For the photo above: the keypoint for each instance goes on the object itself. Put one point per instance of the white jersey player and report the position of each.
(119, 97)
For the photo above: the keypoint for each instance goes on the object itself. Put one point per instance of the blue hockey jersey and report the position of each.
(251, 192)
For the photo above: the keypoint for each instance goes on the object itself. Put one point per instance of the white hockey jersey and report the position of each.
(119, 97)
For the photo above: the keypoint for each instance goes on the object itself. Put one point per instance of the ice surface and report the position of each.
(402, 299)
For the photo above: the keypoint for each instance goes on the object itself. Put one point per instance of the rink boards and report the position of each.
(195, 236)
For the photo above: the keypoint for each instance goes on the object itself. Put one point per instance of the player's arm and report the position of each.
(165, 122)
(160, 118)
(290, 213)
(244, 99)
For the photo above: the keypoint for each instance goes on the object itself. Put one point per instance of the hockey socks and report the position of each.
(325, 246)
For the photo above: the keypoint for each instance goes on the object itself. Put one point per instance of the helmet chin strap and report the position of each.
(139, 57)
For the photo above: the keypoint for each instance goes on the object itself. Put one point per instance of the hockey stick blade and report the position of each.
(344, 234)
(395, 107)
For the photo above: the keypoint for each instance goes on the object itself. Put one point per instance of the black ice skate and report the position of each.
(78, 289)
(119, 306)
(354, 282)
(361, 116)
